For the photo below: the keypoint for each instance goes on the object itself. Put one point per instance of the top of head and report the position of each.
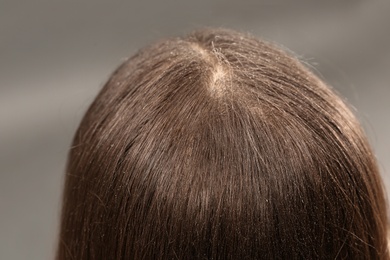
(219, 145)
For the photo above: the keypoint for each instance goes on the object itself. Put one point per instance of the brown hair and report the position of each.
(218, 145)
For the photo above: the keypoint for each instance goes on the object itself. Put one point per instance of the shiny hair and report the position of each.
(218, 145)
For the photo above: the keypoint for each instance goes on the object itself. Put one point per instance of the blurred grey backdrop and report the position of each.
(56, 55)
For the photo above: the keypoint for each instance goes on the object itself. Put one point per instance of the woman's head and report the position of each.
(218, 145)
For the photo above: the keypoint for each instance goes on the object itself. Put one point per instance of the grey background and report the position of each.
(56, 55)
